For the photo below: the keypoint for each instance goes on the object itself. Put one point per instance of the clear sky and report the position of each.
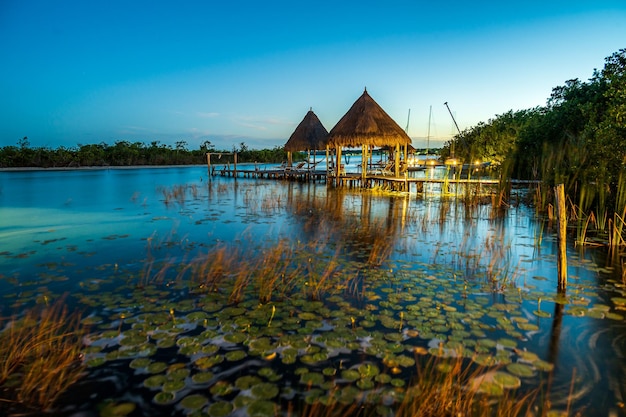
(91, 71)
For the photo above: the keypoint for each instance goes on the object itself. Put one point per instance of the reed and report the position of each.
(275, 271)
(40, 357)
(443, 387)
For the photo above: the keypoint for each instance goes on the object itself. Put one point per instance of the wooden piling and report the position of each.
(559, 192)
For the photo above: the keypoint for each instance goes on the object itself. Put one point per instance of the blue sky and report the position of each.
(79, 72)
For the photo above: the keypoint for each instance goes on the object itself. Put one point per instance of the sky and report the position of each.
(239, 71)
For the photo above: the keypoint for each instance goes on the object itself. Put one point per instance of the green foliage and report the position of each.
(578, 139)
(125, 153)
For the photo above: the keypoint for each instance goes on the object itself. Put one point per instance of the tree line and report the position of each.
(578, 139)
(125, 153)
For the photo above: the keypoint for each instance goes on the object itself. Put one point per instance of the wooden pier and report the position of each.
(357, 180)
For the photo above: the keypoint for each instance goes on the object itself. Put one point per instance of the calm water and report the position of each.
(97, 234)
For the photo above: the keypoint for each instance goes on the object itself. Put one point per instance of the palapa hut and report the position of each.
(367, 125)
(310, 135)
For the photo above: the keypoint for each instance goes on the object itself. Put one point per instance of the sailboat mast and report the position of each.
(430, 113)
(408, 119)
(457, 127)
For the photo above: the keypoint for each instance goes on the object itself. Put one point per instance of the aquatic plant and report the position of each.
(40, 357)
(442, 387)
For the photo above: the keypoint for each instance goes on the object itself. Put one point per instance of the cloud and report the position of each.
(131, 130)
(207, 115)
(260, 123)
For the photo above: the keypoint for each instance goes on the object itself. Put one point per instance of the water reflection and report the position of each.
(58, 228)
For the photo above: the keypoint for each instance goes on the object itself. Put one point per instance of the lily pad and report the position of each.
(262, 408)
(265, 391)
(154, 381)
(220, 409)
(521, 370)
(118, 410)
(506, 380)
(202, 377)
(194, 402)
(164, 397)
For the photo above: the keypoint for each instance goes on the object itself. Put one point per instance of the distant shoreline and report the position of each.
(94, 168)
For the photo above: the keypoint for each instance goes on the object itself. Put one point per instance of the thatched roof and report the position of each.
(309, 135)
(366, 123)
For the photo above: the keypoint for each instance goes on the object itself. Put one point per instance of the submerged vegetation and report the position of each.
(334, 323)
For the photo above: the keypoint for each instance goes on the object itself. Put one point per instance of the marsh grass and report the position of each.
(40, 357)
(443, 387)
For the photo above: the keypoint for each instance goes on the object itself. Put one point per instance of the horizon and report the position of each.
(86, 73)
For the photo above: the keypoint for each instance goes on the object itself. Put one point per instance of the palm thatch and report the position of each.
(366, 123)
(310, 135)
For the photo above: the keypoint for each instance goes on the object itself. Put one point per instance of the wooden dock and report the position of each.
(355, 180)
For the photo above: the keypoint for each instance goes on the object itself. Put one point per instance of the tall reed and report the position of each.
(40, 357)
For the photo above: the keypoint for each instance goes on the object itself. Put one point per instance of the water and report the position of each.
(91, 233)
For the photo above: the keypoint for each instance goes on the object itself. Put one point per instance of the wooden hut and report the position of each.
(310, 135)
(366, 124)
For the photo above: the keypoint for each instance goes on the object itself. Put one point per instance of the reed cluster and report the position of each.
(442, 388)
(40, 357)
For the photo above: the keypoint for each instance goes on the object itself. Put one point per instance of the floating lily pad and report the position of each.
(490, 388)
(154, 381)
(118, 410)
(368, 370)
(156, 367)
(265, 390)
(506, 380)
(164, 397)
(541, 313)
(262, 408)
(97, 361)
(313, 378)
(221, 388)
(220, 409)
(194, 402)
(619, 301)
(350, 374)
(235, 355)
(247, 381)
(235, 337)
(202, 377)
(521, 370)
(365, 384)
(173, 385)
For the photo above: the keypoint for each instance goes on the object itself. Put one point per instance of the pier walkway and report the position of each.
(404, 183)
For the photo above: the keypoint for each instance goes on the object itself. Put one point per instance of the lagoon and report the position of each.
(373, 278)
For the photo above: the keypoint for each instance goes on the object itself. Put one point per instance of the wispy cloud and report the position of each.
(207, 115)
(129, 130)
(260, 123)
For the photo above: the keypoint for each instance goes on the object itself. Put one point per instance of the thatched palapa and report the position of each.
(309, 135)
(366, 123)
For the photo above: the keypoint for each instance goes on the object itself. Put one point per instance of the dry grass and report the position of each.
(442, 388)
(40, 357)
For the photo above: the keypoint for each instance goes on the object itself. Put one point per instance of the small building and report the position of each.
(310, 135)
(367, 125)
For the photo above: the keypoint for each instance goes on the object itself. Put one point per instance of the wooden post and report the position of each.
(208, 162)
(338, 167)
(235, 166)
(397, 161)
(559, 192)
(327, 165)
(364, 157)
